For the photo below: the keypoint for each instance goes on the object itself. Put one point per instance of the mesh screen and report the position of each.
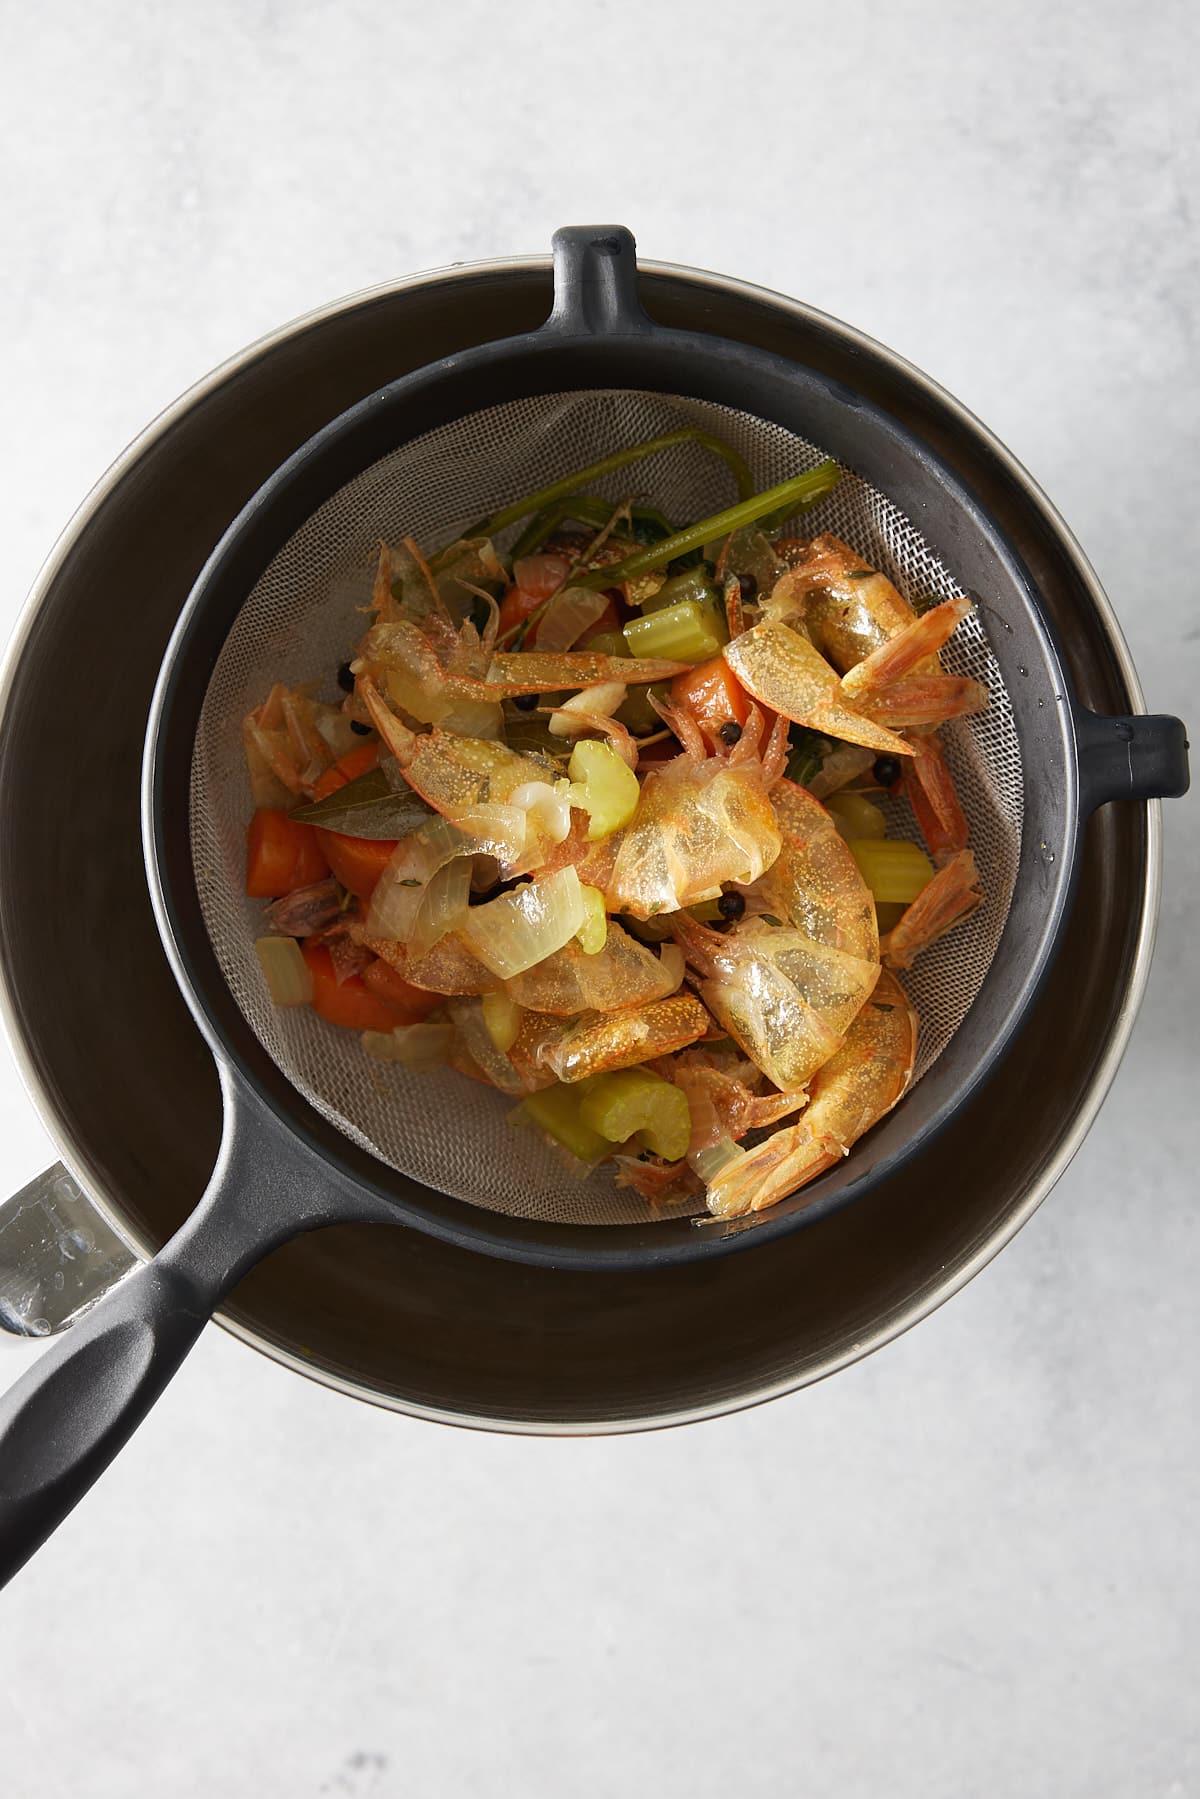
(301, 621)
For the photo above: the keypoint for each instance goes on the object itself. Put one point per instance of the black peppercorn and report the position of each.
(345, 678)
(359, 730)
(730, 732)
(525, 702)
(731, 905)
(887, 770)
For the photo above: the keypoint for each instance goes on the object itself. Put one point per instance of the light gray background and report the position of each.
(969, 1565)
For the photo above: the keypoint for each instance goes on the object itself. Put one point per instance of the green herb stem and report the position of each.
(783, 500)
(608, 465)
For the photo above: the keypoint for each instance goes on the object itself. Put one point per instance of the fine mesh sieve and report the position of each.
(275, 600)
(303, 617)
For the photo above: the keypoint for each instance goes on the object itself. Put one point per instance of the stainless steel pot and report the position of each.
(124, 1081)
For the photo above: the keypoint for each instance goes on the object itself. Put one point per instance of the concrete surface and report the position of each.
(967, 1566)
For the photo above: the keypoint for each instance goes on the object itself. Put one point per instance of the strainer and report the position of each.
(305, 1143)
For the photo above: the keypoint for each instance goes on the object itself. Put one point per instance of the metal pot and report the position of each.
(124, 1080)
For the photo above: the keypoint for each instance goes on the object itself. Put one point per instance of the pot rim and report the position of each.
(75, 1155)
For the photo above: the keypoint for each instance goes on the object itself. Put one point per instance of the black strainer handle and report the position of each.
(68, 1416)
(596, 283)
(1144, 757)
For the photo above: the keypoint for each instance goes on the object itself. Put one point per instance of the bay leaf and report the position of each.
(368, 806)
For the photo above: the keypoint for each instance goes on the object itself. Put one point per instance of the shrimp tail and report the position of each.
(952, 895)
(902, 652)
(929, 789)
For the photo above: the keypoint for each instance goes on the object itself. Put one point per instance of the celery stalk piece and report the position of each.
(685, 632)
(592, 934)
(633, 1101)
(602, 786)
(570, 484)
(558, 1111)
(893, 869)
(855, 816)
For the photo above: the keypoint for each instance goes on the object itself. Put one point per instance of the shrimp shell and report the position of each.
(697, 825)
(597, 1043)
(855, 1088)
(623, 973)
(783, 670)
(785, 998)
(952, 895)
(815, 883)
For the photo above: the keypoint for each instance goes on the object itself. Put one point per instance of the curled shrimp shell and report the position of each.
(449, 967)
(783, 670)
(784, 997)
(905, 650)
(599, 1042)
(701, 820)
(814, 883)
(721, 1096)
(849, 610)
(661, 1183)
(930, 791)
(924, 700)
(466, 1015)
(854, 1089)
(623, 973)
(537, 671)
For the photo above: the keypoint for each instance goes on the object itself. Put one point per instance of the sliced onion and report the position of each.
(541, 575)
(265, 785)
(496, 830)
(522, 928)
(443, 905)
(710, 1164)
(284, 970)
(568, 615)
(415, 1046)
(483, 719)
(399, 890)
(675, 964)
(416, 698)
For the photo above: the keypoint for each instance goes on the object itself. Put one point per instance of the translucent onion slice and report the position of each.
(443, 906)
(284, 970)
(675, 964)
(415, 1046)
(522, 928)
(399, 891)
(709, 1164)
(568, 615)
